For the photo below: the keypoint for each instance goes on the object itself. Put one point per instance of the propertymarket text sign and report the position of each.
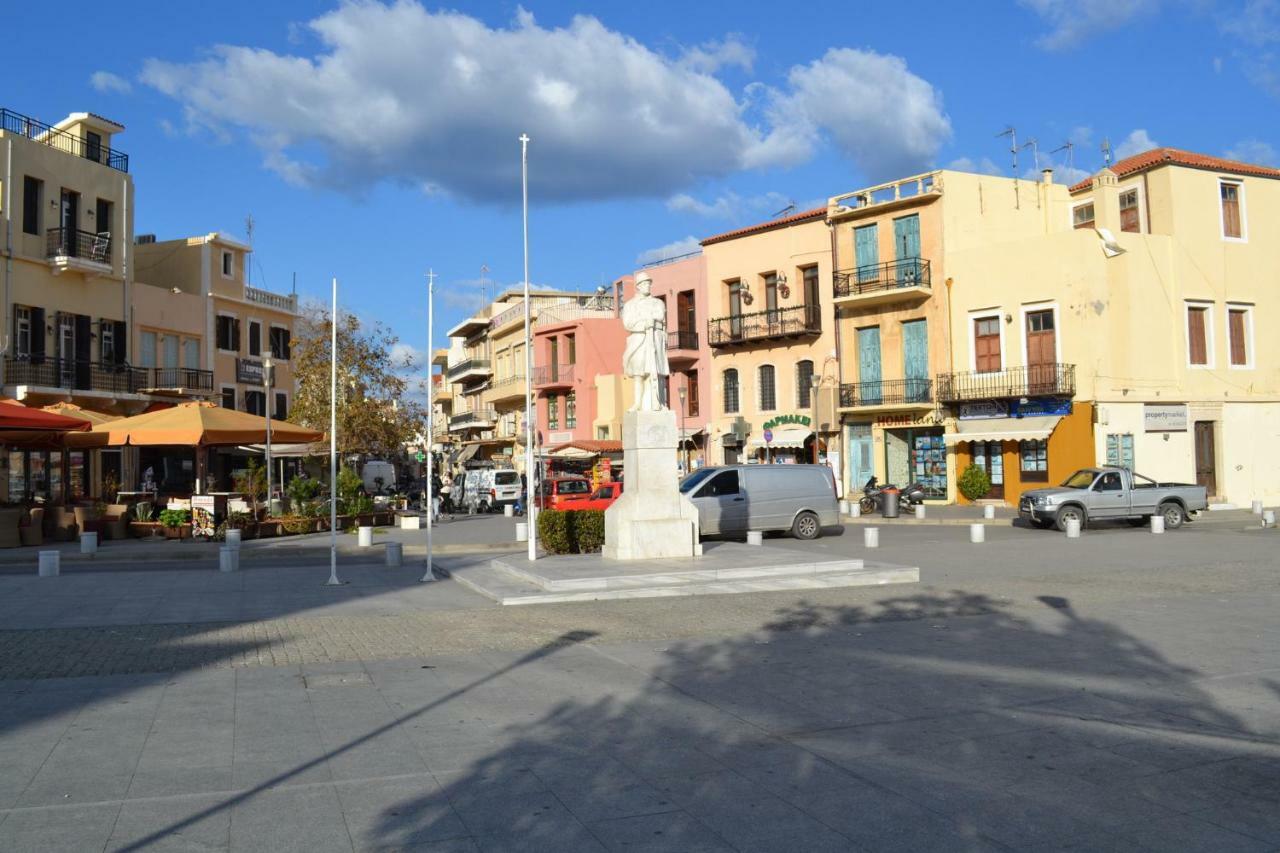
(1164, 417)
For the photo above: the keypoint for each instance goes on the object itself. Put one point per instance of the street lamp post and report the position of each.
(684, 447)
(530, 471)
(430, 574)
(266, 394)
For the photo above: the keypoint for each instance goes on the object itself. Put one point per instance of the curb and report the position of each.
(951, 522)
(106, 557)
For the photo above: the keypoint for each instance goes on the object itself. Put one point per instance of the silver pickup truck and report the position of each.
(1111, 493)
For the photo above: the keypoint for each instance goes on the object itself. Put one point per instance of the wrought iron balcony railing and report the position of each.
(73, 243)
(682, 340)
(791, 322)
(475, 417)
(553, 374)
(887, 392)
(75, 375)
(47, 134)
(874, 278)
(477, 366)
(1036, 380)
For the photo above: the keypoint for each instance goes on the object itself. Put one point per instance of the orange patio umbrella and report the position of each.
(16, 417)
(71, 410)
(200, 425)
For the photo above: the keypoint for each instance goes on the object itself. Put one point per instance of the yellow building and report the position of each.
(772, 333)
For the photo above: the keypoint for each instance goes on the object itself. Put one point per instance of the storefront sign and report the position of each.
(802, 420)
(248, 371)
(1040, 406)
(203, 515)
(925, 419)
(1164, 417)
(986, 409)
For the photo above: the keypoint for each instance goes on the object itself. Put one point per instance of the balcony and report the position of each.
(442, 393)
(68, 374)
(887, 395)
(549, 376)
(469, 327)
(78, 251)
(596, 307)
(779, 324)
(507, 388)
(682, 347)
(903, 280)
(1037, 380)
(279, 301)
(474, 419)
(470, 370)
(77, 146)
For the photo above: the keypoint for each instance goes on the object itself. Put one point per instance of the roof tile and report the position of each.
(1177, 157)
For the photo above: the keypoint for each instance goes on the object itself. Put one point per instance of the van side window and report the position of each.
(724, 483)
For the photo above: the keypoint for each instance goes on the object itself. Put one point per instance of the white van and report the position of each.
(375, 470)
(487, 490)
(735, 499)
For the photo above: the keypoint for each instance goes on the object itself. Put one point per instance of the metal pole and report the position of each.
(266, 393)
(333, 440)
(431, 389)
(530, 472)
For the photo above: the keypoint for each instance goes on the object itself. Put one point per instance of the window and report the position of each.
(1198, 343)
(170, 344)
(228, 398)
(228, 333)
(102, 216)
(809, 277)
(22, 330)
(571, 409)
(691, 393)
(1120, 450)
(32, 195)
(282, 406)
(986, 344)
(1232, 210)
(804, 386)
(731, 391)
(93, 146)
(768, 388)
(571, 344)
(1240, 334)
(255, 338)
(1082, 215)
(771, 294)
(255, 402)
(1034, 456)
(1109, 482)
(1130, 218)
(722, 484)
(226, 264)
(280, 339)
(191, 354)
(735, 297)
(147, 350)
(602, 433)
(107, 342)
(553, 412)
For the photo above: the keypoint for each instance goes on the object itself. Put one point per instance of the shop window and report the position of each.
(1130, 218)
(731, 391)
(1120, 450)
(804, 384)
(1034, 461)
(1082, 215)
(768, 388)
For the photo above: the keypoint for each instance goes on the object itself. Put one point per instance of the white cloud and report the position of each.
(401, 353)
(1135, 143)
(108, 83)
(1072, 22)
(1254, 151)
(670, 250)
(608, 116)
(730, 205)
(1257, 22)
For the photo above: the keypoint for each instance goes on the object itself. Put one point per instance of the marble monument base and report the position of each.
(651, 520)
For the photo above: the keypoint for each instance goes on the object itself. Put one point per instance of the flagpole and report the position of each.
(530, 471)
(431, 393)
(333, 440)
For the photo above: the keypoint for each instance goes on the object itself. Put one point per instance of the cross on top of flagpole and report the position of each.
(524, 137)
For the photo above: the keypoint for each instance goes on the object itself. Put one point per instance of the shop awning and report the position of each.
(785, 437)
(468, 451)
(1035, 428)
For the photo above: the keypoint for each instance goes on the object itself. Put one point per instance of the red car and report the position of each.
(564, 493)
(603, 498)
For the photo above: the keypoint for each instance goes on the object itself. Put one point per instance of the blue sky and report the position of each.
(372, 141)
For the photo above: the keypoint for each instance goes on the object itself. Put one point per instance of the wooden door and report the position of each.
(735, 309)
(1042, 352)
(1206, 470)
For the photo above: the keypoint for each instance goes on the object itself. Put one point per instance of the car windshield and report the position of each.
(691, 482)
(1079, 480)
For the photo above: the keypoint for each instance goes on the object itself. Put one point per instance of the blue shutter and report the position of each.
(915, 360)
(866, 248)
(906, 247)
(869, 365)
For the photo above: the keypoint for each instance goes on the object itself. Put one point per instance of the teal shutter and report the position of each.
(866, 248)
(906, 246)
(869, 365)
(915, 360)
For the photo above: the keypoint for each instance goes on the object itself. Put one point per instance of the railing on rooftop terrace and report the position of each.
(47, 134)
(272, 300)
(583, 308)
(670, 260)
(916, 185)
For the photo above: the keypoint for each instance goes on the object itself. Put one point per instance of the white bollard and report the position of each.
(509, 510)
(410, 522)
(855, 509)
(755, 537)
(988, 511)
(228, 559)
(977, 533)
(1157, 524)
(1073, 528)
(1268, 518)
(364, 536)
(233, 539)
(522, 531)
(871, 537)
(1257, 507)
(50, 564)
(919, 512)
(88, 543)
(844, 507)
(395, 554)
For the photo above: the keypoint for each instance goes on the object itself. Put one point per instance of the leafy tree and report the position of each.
(377, 415)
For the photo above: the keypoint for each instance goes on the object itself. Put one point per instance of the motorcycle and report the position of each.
(873, 495)
(912, 495)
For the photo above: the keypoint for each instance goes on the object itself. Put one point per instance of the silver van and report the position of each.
(733, 499)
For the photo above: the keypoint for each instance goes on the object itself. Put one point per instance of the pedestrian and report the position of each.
(444, 501)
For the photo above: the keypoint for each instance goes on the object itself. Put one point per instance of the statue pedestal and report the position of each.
(651, 520)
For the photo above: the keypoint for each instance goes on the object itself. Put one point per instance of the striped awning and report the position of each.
(1036, 428)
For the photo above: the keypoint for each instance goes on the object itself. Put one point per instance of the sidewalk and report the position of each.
(956, 515)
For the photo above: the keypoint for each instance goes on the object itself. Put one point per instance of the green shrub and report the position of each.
(578, 531)
(296, 525)
(974, 483)
(359, 505)
(349, 483)
(175, 517)
(302, 489)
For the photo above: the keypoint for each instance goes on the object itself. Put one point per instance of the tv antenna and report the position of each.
(1013, 146)
(484, 268)
(1070, 148)
(1034, 145)
(791, 205)
(1106, 152)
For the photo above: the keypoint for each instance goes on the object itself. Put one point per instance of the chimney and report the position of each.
(1046, 175)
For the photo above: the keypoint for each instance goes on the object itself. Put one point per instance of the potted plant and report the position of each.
(144, 524)
(176, 523)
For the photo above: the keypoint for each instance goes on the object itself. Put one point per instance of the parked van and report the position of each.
(733, 499)
(487, 490)
(375, 470)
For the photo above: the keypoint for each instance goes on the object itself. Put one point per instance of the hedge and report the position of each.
(575, 531)
(974, 483)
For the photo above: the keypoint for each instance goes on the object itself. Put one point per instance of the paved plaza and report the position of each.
(1119, 692)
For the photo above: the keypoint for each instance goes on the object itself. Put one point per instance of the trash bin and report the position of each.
(889, 500)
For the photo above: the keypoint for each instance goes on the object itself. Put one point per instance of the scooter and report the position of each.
(873, 495)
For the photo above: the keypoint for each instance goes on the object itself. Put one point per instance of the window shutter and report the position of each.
(37, 333)
(285, 342)
(1236, 328)
(235, 335)
(1196, 336)
(121, 342)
